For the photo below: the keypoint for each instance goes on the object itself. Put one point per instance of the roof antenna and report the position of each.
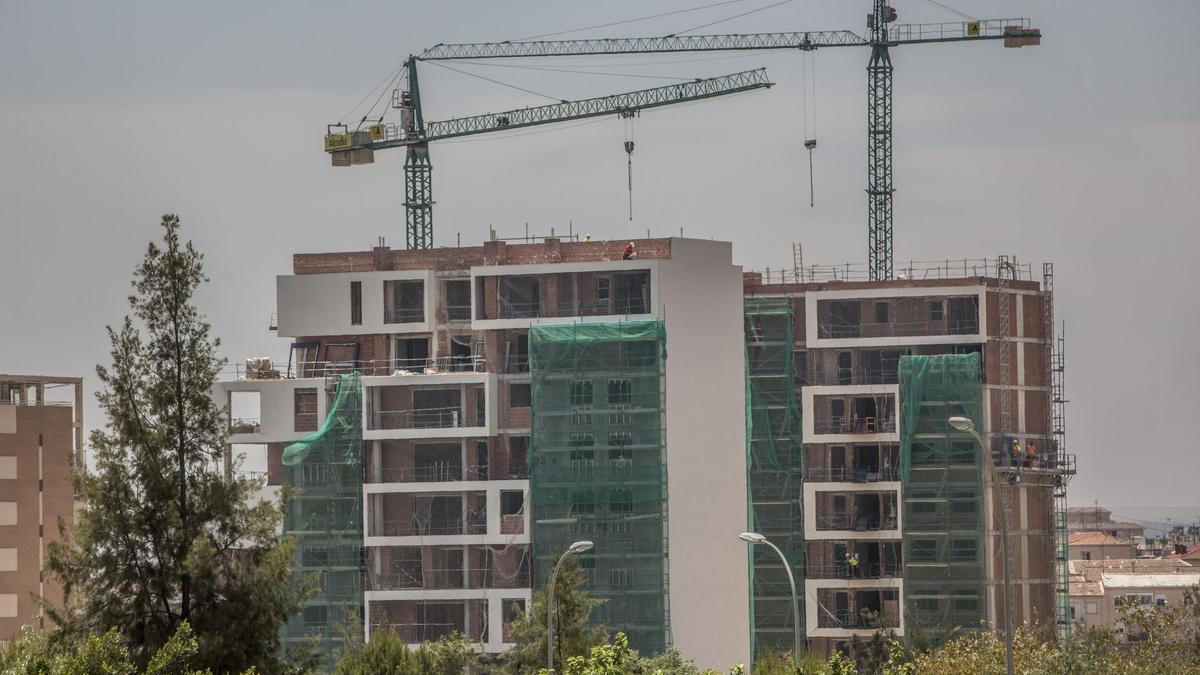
(628, 116)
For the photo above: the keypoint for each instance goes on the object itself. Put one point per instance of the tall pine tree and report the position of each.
(166, 533)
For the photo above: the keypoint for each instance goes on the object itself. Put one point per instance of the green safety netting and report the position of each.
(325, 517)
(598, 467)
(339, 420)
(775, 466)
(942, 479)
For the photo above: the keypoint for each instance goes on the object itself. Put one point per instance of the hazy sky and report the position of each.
(1082, 151)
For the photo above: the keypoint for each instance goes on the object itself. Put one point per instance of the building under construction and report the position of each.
(454, 418)
(888, 513)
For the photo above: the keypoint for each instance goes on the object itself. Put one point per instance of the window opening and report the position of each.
(356, 303)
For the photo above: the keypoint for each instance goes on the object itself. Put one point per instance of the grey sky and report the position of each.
(1081, 151)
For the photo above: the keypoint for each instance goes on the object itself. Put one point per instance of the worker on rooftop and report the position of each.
(628, 253)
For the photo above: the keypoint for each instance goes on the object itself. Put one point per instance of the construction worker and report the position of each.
(628, 253)
(587, 238)
(1015, 453)
(1031, 458)
(851, 565)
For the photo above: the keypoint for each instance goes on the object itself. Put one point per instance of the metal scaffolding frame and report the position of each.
(775, 467)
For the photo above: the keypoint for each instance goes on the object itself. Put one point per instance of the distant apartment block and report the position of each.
(1100, 546)
(454, 418)
(41, 438)
(1100, 587)
(1099, 519)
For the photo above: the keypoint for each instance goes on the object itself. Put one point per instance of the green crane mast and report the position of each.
(883, 33)
(414, 133)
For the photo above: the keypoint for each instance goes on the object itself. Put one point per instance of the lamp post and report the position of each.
(577, 547)
(967, 425)
(756, 538)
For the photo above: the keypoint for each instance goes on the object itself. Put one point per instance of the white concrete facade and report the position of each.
(701, 295)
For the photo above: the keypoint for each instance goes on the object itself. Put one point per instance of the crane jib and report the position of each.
(573, 110)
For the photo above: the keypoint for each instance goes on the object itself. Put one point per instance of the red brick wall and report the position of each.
(491, 253)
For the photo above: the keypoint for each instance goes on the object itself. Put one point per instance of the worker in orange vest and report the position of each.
(1031, 458)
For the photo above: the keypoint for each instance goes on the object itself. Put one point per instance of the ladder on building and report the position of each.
(1052, 353)
(1003, 342)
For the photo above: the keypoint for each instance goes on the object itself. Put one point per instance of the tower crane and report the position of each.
(883, 34)
(350, 147)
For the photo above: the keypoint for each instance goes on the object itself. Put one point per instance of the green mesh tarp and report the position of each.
(941, 474)
(775, 465)
(325, 517)
(598, 467)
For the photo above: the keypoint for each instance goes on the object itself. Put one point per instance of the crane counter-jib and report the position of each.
(382, 136)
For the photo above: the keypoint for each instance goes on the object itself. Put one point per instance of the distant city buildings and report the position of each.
(41, 438)
(1100, 587)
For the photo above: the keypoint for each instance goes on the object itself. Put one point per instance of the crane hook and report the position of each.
(811, 144)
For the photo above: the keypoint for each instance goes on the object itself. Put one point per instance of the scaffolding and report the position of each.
(942, 480)
(1054, 353)
(598, 467)
(775, 466)
(324, 516)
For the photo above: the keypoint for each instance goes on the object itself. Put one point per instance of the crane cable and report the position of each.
(563, 69)
(625, 21)
(810, 133)
(391, 77)
(730, 18)
(628, 117)
(556, 99)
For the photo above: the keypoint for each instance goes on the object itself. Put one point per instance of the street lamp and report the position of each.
(756, 538)
(577, 547)
(965, 424)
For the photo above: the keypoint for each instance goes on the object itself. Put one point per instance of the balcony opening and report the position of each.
(520, 297)
(512, 511)
(516, 353)
(437, 408)
(631, 292)
(481, 460)
(245, 409)
(837, 415)
(845, 368)
(435, 462)
(518, 456)
(962, 316)
(845, 319)
(458, 299)
(251, 460)
(866, 463)
(881, 312)
(404, 301)
(837, 462)
(519, 395)
(462, 357)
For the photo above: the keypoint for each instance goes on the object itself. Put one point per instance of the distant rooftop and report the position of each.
(1094, 539)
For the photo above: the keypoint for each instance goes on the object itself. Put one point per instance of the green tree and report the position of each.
(386, 654)
(167, 536)
(572, 637)
(603, 659)
(44, 653)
